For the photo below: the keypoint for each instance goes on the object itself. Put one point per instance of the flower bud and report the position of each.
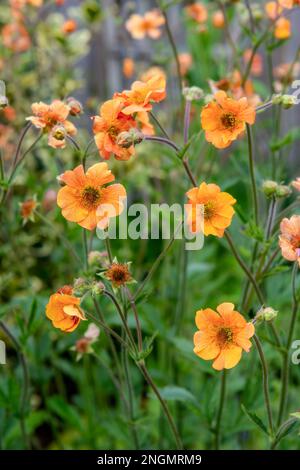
(283, 190)
(3, 102)
(266, 314)
(192, 93)
(269, 188)
(128, 138)
(95, 258)
(276, 99)
(75, 106)
(288, 101)
(80, 287)
(97, 288)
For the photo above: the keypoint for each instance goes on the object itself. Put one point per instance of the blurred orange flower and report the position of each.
(128, 67)
(289, 238)
(282, 28)
(273, 9)
(52, 118)
(27, 210)
(64, 311)
(152, 72)
(142, 94)
(15, 37)
(224, 119)
(69, 26)
(257, 62)
(218, 19)
(217, 209)
(197, 11)
(86, 201)
(222, 336)
(185, 62)
(108, 125)
(296, 184)
(148, 25)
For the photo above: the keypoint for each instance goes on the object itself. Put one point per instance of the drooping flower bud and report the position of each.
(128, 138)
(59, 132)
(193, 93)
(283, 191)
(74, 105)
(265, 314)
(269, 188)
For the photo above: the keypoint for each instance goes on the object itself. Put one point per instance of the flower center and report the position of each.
(225, 335)
(113, 131)
(209, 210)
(90, 197)
(228, 120)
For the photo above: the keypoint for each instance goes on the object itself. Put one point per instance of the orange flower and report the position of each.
(217, 209)
(152, 72)
(27, 210)
(69, 26)
(185, 62)
(147, 25)
(16, 37)
(273, 9)
(286, 3)
(118, 274)
(141, 94)
(218, 19)
(257, 63)
(289, 239)
(296, 184)
(224, 119)
(222, 336)
(64, 311)
(128, 67)
(53, 120)
(197, 11)
(86, 201)
(282, 28)
(111, 122)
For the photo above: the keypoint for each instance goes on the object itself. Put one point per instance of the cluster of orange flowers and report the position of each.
(199, 13)
(127, 111)
(149, 24)
(274, 11)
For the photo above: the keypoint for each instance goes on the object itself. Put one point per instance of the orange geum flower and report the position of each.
(108, 125)
(63, 309)
(217, 209)
(53, 120)
(222, 336)
(152, 72)
(282, 28)
(128, 67)
(257, 62)
(185, 62)
(142, 94)
(148, 25)
(224, 119)
(69, 26)
(218, 19)
(197, 11)
(118, 274)
(85, 200)
(27, 210)
(15, 37)
(289, 238)
(273, 9)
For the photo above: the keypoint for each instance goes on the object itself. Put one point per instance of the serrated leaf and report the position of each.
(255, 419)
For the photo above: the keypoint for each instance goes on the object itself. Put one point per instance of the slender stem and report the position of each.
(187, 116)
(220, 410)
(85, 247)
(162, 140)
(164, 405)
(108, 249)
(107, 329)
(119, 310)
(244, 268)
(64, 240)
(281, 432)
(137, 320)
(271, 217)
(174, 49)
(19, 145)
(73, 141)
(252, 174)
(265, 383)
(85, 153)
(159, 125)
(157, 262)
(25, 389)
(189, 172)
(252, 23)
(285, 367)
(254, 49)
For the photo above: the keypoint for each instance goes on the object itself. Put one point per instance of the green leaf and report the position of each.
(174, 393)
(255, 419)
(63, 410)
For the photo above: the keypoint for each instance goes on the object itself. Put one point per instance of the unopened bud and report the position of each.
(95, 258)
(266, 314)
(3, 102)
(75, 106)
(80, 286)
(192, 93)
(283, 190)
(269, 188)
(128, 138)
(97, 288)
(288, 101)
